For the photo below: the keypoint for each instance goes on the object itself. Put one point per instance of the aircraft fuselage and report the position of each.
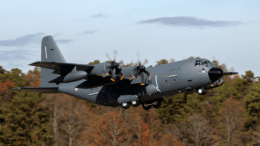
(169, 79)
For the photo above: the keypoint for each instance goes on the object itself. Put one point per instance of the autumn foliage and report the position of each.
(5, 90)
(227, 115)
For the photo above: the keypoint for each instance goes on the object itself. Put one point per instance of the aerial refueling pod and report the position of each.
(70, 77)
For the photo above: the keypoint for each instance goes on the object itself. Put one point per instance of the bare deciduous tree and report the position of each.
(179, 131)
(112, 130)
(73, 119)
(231, 118)
(199, 130)
(54, 106)
(196, 129)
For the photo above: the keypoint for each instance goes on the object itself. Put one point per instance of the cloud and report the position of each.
(190, 21)
(88, 32)
(63, 40)
(28, 40)
(100, 15)
(16, 55)
(23, 40)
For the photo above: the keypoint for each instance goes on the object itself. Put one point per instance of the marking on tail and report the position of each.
(45, 52)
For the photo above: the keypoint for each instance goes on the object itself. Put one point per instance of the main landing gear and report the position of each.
(146, 106)
(133, 103)
(155, 104)
(126, 105)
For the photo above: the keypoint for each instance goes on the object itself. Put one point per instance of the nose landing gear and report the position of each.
(202, 91)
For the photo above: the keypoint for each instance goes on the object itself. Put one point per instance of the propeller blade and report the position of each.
(143, 79)
(138, 57)
(108, 57)
(115, 52)
(148, 73)
(145, 61)
(132, 63)
(114, 74)
(114, 71)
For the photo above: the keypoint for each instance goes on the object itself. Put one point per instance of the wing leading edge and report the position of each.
(39, 89)
(62, 68)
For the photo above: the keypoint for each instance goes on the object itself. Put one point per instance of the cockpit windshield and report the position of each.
(202, 62)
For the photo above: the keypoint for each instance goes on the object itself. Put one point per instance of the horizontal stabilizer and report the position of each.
(62, 68)
(39, 89)
(229, 73)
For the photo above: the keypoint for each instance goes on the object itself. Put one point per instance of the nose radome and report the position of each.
(215, 73)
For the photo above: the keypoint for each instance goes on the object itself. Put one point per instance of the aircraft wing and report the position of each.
(62, 67)
(39, 89)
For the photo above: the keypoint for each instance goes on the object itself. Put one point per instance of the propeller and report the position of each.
(141, 72)
(114, 71)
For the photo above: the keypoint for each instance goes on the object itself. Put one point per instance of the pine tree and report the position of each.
(178, 107)
(252, 105)
(26, 121)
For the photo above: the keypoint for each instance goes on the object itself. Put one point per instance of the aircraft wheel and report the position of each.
(146, 107)
(202, 92)
(157, 104)
(135, 103)
(125, 105)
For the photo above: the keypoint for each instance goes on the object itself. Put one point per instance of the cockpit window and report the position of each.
(200, 62)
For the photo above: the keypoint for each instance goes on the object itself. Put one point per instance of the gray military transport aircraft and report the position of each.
(110, 85)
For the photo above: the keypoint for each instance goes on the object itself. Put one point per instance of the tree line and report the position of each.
(227, 115)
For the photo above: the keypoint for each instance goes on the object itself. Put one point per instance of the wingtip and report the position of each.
(33, 64)
(16, 88)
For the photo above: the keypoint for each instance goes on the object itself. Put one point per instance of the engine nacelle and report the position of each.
(75, 76)
(70, 77)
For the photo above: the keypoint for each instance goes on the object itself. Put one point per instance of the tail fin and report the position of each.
(50, 53)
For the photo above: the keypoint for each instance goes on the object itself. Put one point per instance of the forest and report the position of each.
(226, 115)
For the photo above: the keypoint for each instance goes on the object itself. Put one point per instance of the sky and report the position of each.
(86, 30)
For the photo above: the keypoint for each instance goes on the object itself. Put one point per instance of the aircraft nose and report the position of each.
(215, 73)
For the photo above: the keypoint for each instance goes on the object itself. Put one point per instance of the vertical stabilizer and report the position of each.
(50, 53)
